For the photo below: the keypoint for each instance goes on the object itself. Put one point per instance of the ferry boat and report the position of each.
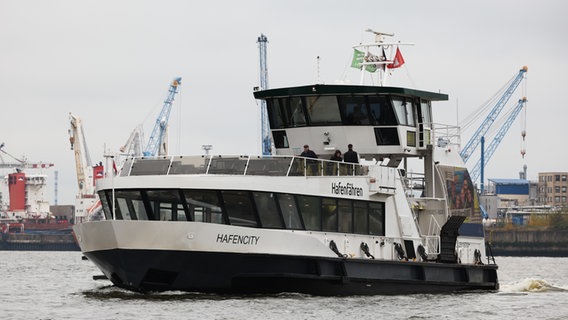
(249, 224)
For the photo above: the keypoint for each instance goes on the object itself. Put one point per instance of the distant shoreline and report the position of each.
(528, 242)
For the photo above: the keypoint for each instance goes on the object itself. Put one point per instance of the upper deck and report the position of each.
(275, 166)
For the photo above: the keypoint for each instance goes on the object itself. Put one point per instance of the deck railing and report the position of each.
(240, 165)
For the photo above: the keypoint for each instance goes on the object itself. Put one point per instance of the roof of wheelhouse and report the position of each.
(328, 89)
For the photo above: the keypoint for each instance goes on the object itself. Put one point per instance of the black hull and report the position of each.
(232, 273)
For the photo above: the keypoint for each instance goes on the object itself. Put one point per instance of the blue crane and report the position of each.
(486, 154)
(473, 143)
(265, 126)
(156, 142)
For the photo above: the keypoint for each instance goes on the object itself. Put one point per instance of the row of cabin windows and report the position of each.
(290, 112)
(249, 209)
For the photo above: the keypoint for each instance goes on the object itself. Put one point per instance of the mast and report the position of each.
(372, 57)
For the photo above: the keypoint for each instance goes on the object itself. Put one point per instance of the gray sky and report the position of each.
(111, 62)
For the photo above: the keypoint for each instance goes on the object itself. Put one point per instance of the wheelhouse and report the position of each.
(328, 117)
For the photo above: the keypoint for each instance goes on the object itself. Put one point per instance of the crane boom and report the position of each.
(82, 158)
(133, 146)
(156, 143)
(473, 143)
(20, 163)
(497, 139)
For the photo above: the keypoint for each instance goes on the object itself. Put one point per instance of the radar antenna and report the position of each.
(379, 36)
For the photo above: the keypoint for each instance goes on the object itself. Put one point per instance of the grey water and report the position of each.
(60, 285)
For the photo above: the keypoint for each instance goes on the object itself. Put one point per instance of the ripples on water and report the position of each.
(59, 285)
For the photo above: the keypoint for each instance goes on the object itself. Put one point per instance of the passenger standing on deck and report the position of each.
(351, 157)
(308, 153)
(336, 156)
(333, 167)
(312, 164)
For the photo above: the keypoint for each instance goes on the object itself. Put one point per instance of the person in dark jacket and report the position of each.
(308, 153)
(336, 156)
(333, 167)
(351, 156)
(313, 166)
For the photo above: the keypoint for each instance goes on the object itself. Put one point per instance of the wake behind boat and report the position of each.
(288, 223)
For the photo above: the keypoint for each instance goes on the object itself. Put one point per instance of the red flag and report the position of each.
(397, 61)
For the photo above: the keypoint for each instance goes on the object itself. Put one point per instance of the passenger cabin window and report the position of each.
(267, 209)
(203, 206)
(289, 211)
(310, 208)
(246, 208)
(404, 111)
(239, 208)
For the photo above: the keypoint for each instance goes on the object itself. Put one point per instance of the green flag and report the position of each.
(358, 59)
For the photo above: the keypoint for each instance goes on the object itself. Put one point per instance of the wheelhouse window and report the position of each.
(354, 110)
(425, 112)
(297, 117)
(286, 112)
(280, 139)
(387, 137)
(382, 112)
(404, 111)
(277, 113)
(323, 110)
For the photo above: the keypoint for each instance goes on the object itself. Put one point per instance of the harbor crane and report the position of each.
(20, 163)
(133, 146)
(475, 140)
(82, 158)
(265, 126)
(487, 153)
(86, 198)
(157, 142)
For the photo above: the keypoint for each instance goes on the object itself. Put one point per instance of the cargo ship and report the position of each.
(28, 222)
